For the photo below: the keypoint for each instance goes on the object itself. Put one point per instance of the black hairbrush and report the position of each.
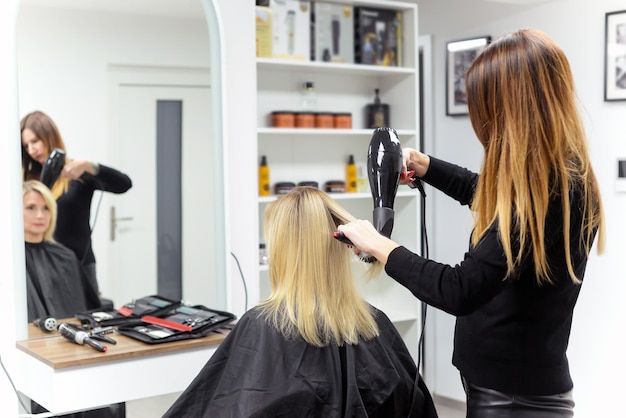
(363, 257)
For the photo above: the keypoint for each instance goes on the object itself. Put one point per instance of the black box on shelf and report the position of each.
(332, 32)
(378, 36)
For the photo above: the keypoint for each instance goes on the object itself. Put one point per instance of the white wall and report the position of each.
(596, 359)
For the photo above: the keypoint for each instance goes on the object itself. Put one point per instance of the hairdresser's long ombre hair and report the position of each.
(313, 290)
(46, 130)
(523, 108)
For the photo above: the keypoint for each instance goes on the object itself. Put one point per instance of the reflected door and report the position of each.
(157, 232)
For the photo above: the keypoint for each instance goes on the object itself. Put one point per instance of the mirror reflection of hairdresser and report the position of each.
(73, 190)
(54, 277)
(314, 348)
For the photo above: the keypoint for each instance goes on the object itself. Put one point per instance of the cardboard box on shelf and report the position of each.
(291, 33)
(263, 32)
(332, 32)
(378, 36)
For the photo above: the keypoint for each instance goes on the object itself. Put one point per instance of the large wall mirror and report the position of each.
(131, 85)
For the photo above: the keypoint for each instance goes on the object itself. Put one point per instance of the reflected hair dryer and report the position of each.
(51, 169)
(384, 168)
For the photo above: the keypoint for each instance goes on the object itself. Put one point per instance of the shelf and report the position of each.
(334, 132)
(296, 154)
(347, 196)
(334, 68)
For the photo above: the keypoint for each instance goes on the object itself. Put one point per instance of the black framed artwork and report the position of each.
(459, 56)
(615, 57)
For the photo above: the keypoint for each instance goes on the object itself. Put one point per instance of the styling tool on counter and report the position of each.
(76, 335)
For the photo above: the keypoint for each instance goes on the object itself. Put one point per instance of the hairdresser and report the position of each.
(73, 190)
(537, 210)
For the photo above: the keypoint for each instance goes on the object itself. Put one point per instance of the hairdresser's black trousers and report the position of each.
(488, 403)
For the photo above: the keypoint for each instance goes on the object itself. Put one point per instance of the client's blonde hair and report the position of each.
(313, 290)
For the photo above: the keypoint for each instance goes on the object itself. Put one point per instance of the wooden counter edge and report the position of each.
(58, 353)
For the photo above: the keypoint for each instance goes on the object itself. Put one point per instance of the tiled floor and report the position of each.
(150, 407)
(155, 407)
(449, 408)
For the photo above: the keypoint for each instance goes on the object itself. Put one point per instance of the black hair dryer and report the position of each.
(51, 169)
(384, 167)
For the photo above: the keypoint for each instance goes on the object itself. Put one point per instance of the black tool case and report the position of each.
(181, 322)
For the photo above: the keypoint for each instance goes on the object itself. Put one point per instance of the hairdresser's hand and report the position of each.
(414, 164)
(74, 169)
(367, 239)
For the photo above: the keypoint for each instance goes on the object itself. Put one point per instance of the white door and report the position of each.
(133, 241)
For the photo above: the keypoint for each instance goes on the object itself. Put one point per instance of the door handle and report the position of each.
(115, 220)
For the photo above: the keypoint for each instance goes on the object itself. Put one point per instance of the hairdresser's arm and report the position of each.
(74, 169)
(455, 181)
(104, 178)
(112, 180)
(457, 290)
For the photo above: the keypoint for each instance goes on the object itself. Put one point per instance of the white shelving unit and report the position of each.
(321, 154)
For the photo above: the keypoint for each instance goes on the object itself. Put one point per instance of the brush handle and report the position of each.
(365, 257)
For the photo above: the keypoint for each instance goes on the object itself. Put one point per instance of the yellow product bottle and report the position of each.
(264, 177)
(351, 183)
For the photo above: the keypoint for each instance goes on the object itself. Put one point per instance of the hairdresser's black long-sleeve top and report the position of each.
(74, 209)
(511, 335)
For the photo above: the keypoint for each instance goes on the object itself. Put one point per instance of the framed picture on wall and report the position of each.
(615, 57)
(459, 56)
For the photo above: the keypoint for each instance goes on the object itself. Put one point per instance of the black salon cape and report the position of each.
(256, 372)
(55, 282)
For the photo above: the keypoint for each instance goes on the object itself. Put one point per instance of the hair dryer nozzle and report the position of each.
(384, 167)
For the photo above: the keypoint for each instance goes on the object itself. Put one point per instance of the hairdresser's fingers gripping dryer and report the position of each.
(384, 167)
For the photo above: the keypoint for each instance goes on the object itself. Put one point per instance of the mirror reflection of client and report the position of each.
(54, 277)
(55, 283)
(314, 347)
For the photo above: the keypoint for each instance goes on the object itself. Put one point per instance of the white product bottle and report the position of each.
(309, 97)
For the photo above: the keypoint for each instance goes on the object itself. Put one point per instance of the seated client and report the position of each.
(314, 348)
(55, 282)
